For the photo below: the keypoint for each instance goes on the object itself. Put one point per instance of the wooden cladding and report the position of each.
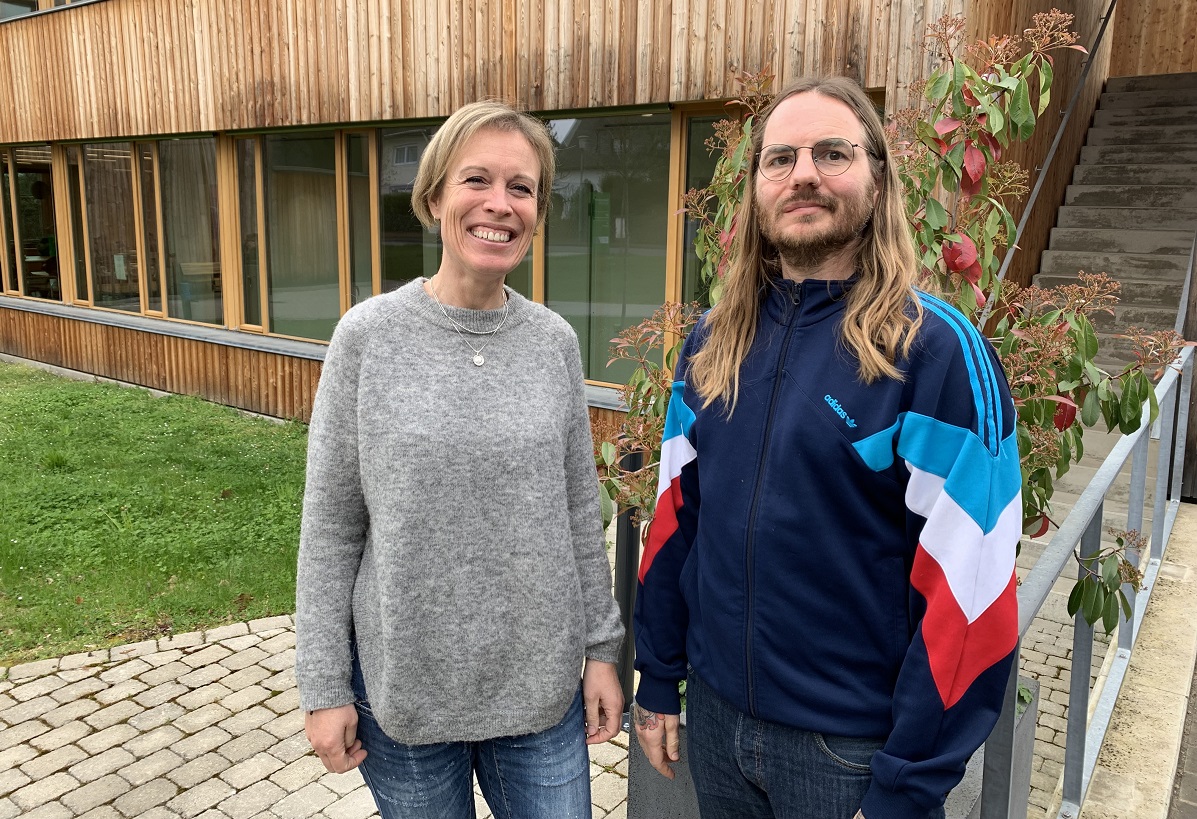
(1154, 37)
(129, 68)
(269, 383)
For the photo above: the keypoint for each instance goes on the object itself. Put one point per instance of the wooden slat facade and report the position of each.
(1155, 37)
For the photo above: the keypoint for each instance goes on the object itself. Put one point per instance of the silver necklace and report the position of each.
(478, 358)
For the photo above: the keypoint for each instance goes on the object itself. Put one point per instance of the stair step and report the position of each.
(1161, 292)
(1146, 266)
(1138, 154)
(1070, 216)
(1152, 82)
(1147, 99)
(1118, 117)
(1122, 240)
(1134, 315)
(1141, 196)
(1142, 135)
(1138, 175)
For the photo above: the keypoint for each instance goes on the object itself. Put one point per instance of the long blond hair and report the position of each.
(881, 313)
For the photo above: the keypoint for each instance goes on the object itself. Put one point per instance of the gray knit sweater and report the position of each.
(451, 523)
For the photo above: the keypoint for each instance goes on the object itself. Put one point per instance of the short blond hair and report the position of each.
(458, 129)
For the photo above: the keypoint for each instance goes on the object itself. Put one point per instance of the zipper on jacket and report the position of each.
(789, 317)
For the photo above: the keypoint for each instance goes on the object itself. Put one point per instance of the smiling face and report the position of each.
(807, 216)
(487, 205)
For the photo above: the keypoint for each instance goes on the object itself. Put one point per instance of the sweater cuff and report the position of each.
(880, 803)
(317, 694)
(657, 695)
(606, 652)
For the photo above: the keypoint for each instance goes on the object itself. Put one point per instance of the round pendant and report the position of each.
(479, 360)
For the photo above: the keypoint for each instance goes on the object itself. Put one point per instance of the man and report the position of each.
(833, 549)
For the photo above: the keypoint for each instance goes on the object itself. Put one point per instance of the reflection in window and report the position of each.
(149, 222)
(700, 167)
(12, 282)
(408, 250)
(301, 220)
(605, 239)
(78, 246)
(35, 222)
(247, 192)
(111, 227)
(16, 8)
(358, 180)
(187, 174)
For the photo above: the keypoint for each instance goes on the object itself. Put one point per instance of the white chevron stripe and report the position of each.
(676, 452)
(976, 564)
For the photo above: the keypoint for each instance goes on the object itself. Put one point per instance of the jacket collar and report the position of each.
(809, 301)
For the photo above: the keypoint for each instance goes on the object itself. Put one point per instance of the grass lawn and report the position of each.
(124, 516)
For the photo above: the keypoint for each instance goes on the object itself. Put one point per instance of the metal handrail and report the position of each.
(1047, 161)
(1183, 312)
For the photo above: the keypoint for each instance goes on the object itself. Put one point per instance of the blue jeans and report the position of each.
(745, 768)
(535, 776)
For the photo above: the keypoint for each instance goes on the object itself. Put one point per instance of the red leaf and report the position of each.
(969, 187)
(970, 97)
(946, 125)
(1079, 48)
(959, 255)
(1065, 415)
(941, 146)
(973, 274)
(1040, 531)
(991, 142)
(980, 296)
(974, 162)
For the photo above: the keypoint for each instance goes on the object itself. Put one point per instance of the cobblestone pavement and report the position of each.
(204, 724)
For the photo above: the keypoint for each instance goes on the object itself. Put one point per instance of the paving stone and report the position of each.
(177, 641)
(292, 748)
(202, 696)
(153, 766)
(162, 737)
(268, 623)
(286, 725)
(607, 790)
(280, 661)
(156, 716)
(252, 800)
(243, 747)
(56, 760)
(209, 654)
(124, 671)
(201, 718)
(245, 773)
(241, 643)
(76, 709)
(195, 801)
(159, 694)
(11, 737)
(124, 690)
(159, 813)
(242, 722)
(343, 783)
(246, 676)
(30, 709)
(97, 793)
(300, 804)
(43, 791)
(39, 687)
(16, 756)
(204, 675)
(282, 681)
(8, 810)
(607, 755)
(103, 812)
(299, 774)
(162, 658)
(6, 702)
(54, 810)
(108, 738)
(357, 805)
(197, 770)
(13, 780)
(29, 670)
(225, 632)
(243, 659)
(73, 661)
(164, 673)
(134, 649)
(117, 712)
(202, 742)
(279, 642)
(138, 801)
(63, 735)
(284, 702)
(101, 764)
(73, 675)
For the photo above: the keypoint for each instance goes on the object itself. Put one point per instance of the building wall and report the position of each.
(1154, 37)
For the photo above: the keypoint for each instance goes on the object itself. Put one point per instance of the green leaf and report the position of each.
(937, 86)
(937, 217)
(1092, 600)
(1110, 413)
(1045, 85)
(1089, 341)
(1109, 571)
(607, 506)
(608, 452)
(1126, 605)
(1090, 409)
(955, 158)
(1074, 599)
(1131, 409)
(1020, 110)
(1154, 409)
(1109, 614)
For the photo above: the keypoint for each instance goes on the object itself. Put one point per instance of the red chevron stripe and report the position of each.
(663, 525)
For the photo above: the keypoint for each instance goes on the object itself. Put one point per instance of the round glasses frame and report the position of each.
(821, 153)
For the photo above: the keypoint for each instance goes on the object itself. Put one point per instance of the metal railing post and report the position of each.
(997, 781)
(1134, 523)
(1164, 426)
(627, 568)
(1082, 665)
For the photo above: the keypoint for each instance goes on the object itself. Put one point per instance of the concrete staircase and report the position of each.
(1131, 209)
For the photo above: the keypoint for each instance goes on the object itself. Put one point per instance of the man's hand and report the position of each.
(603, 698)
(333, 734)
(660, 738)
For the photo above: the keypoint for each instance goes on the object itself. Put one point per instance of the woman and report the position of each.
(453, 580)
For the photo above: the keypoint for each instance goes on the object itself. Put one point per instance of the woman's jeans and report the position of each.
(536, 776)
(745, 768)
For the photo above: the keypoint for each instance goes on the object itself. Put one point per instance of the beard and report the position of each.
(850, 217)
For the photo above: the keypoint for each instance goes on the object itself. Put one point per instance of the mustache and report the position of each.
(809, 198)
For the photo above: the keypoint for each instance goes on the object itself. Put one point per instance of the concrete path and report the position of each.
(195, 725)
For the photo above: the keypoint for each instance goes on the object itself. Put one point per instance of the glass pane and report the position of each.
(149, 221)
(408, 250)
(35, 217)
(78, 249)
(605, 239)
(108, 183)
(359, 216)
(247, 187)
(190, 229)
(700, 166)
(16, 8)
(301, 219)
(10, 255)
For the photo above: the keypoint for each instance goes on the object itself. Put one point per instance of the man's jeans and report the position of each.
(536, 776)
(745, 768)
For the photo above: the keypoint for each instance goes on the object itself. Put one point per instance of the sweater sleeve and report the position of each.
(662, 617)
(333, 531)
(964, 506)
(604, 627)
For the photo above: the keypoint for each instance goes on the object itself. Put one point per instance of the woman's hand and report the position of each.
(603, 698)
(333, 734)
(660, 738)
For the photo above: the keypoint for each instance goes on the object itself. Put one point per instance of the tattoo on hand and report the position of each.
(644, 719)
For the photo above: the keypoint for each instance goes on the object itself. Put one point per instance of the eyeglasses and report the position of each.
(831, 157)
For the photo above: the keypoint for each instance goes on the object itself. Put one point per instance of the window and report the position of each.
(407, 154)
(408, 250)
(357, 180)
(700, 167)
(111, 225)
(12, 282)
(190, 228)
